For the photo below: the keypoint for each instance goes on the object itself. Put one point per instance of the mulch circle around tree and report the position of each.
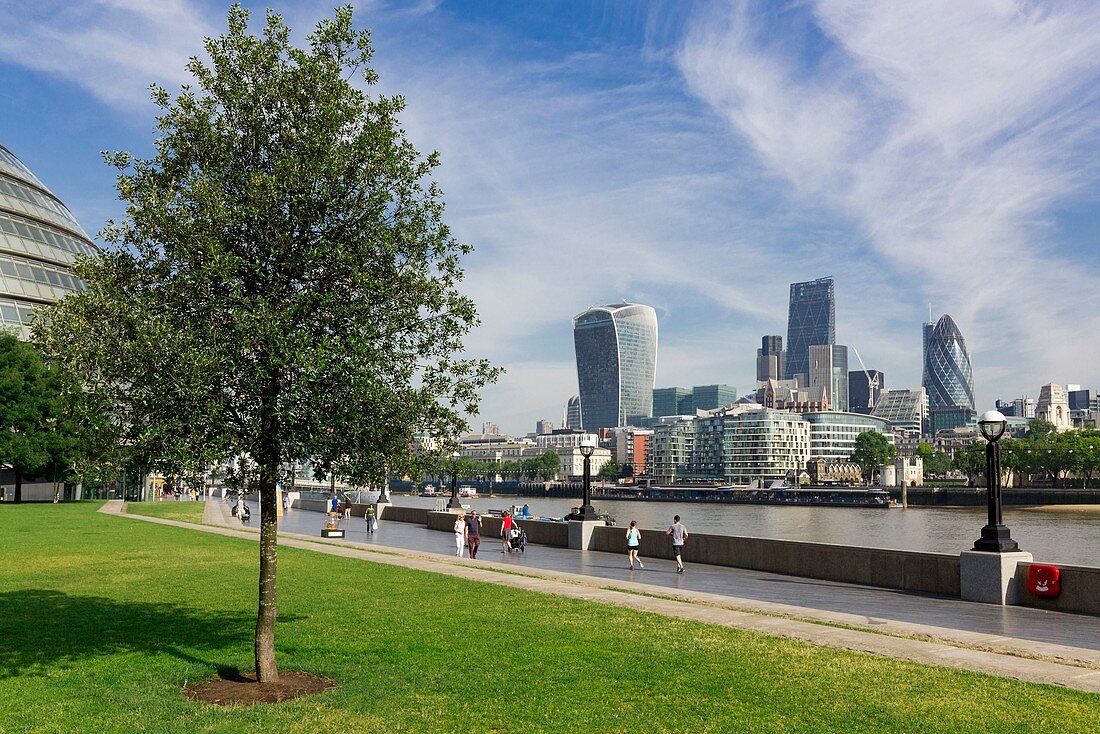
(233, 688)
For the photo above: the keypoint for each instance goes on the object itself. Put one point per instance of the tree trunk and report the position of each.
(18, 486)
(266, 669)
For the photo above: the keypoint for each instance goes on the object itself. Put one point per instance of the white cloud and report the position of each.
(113, 48)
(948, 131)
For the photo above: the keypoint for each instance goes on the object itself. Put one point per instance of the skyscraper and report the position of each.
(616, 347)
(771, 360)
(811, 319)
(861, 398)
(948, 377)
(572, 416)
(712, 397)
(672, 401)
(829, 370)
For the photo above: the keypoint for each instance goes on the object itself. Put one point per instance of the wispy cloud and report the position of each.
(112, 48)
(948, 132)
(700, 156)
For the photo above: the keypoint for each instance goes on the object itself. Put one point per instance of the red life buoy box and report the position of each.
(1044, 579)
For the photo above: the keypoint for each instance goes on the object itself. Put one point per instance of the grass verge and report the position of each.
(104, 619)
(182, 511)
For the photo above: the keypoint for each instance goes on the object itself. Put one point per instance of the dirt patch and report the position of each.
(233, 688)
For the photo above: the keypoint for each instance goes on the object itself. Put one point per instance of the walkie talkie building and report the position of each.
(39, 241)
(616, 349)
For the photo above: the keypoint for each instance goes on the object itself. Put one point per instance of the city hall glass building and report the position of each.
(948, 377)
(39, 242)
(811, 320)
(616, 348)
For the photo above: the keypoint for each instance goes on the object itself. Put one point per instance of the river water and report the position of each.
(1068, 534)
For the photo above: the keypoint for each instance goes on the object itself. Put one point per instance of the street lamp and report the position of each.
(454, 504)
(588, 447)
(995, 536)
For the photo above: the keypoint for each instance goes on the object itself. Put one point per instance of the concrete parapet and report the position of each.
(396, 513)
(1080, 590)
(581, 533)
(990, 577)
(546, 533)
(935, 573)
(444, 521)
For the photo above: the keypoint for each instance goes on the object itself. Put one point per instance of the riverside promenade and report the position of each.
(1023, 643)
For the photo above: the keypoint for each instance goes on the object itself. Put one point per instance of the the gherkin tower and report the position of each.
(39, 242)
(948, 376)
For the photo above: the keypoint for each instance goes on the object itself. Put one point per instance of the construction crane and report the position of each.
(872, 383)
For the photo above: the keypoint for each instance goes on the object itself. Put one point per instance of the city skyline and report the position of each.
(674, 155)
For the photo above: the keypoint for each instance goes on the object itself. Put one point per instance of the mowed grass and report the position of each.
(182, 511)
(103, 620)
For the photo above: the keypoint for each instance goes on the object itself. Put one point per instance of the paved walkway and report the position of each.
(1016, 642)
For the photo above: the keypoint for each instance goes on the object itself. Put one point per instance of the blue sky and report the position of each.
(695, 156)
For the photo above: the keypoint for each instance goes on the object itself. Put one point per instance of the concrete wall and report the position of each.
(542, 533)
(393, 513)
(1080, 590)
(935, 573)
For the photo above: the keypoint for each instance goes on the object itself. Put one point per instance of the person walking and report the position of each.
(473, 533)
(460, 534)
(679, 534)
(633, 540)
(286, 502)
(506, 523)
(371, 517)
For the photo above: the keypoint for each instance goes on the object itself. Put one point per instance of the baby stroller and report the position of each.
(517, 539)
(246, 515)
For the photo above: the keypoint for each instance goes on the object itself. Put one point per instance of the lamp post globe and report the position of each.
(992, 425)
(996, 537)
(587, 447)
(454, 504)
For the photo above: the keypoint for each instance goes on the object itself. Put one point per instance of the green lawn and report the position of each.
(182, 511)
(103, 619)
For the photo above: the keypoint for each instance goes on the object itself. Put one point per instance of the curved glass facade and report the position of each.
(616, 350)
(950, 380)
(39, 242)
(833, 433)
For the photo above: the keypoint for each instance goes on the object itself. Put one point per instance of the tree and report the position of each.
(872, 450)
(610, 470)
(970, 460)
(283, 286)
(31, 410)
(547, 465)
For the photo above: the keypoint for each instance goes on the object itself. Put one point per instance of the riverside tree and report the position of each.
(872, 450)
(283, 286)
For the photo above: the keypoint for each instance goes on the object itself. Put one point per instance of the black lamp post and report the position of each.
(454, 504)
(996, 538)
(587, 447)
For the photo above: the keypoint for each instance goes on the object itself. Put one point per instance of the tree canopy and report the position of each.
(283, 286)
(36, 433)
(872, 450)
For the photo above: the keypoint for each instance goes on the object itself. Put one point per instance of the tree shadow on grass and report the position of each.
(40, 629)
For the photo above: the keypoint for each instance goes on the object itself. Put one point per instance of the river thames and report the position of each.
(1068, 534)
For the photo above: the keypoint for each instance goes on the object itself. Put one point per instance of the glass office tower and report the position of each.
(949, 378)
(616, 348)
(39, 242)
(811, 319)
(829, 369)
